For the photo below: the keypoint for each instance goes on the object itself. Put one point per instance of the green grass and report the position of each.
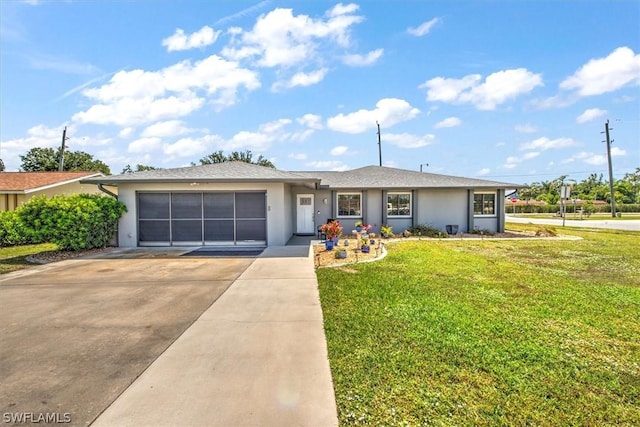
(451, 332)
(571, 216)
(14, 257)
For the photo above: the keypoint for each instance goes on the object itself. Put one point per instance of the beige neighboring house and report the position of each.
(17, 188)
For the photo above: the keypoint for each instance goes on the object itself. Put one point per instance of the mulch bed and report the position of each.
(54, 256)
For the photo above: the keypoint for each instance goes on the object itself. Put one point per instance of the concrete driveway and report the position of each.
(77, 333)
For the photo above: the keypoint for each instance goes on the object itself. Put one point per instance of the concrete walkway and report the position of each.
(256, 357)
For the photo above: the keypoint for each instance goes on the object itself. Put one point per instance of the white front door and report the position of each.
(305, 214)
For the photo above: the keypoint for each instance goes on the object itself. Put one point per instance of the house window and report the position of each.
(349, 204)
(398, 204)
(484, 204)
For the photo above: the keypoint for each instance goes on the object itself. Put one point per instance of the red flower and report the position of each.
(332, 229)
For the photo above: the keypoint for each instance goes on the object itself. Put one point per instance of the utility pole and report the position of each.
(379, 144)
(62, 147)
(611, 192)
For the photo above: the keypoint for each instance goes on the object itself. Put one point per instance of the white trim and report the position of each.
(59, 183)
(348, 193)
(495, 202)
(408, 193)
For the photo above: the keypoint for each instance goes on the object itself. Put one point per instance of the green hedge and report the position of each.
(12, 231)
(571, 208)
(74, 222)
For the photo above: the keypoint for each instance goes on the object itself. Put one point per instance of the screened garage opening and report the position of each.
(202, 218)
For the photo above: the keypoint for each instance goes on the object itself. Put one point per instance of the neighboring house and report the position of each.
(236, 203)
(17, 188)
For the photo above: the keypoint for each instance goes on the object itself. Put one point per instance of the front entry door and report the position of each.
(305, 214)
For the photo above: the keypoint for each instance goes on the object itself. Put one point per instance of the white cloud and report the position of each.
(544, 143)
(282, 39)
(298, 156)
(189, 147)
(513, 161)
(301, 79)
(388, 112)
(128, 111)
(274, 126)
(593, 159)
(602, 75)
(138, 96)
(165, 129)
(339, 150)
(483, 172)
(449, 122)
(180, 41)
(301, 135)
(406, 140)
(497, 88)
(332, 165)
(126, 132)
(343, 9)
(356, 60)
(526, 128)
(590, 114)
(312, 121)
(144, 145)
(37, 136)
(424, 28)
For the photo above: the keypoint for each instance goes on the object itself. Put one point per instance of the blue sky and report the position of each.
(516, 90)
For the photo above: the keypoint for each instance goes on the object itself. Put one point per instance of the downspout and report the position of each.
(414, 208)
(470, 213)
(104, 190)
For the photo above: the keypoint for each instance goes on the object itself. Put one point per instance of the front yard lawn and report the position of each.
(493, 332)
(14, 258)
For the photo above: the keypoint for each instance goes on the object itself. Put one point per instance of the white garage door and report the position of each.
(192, 219)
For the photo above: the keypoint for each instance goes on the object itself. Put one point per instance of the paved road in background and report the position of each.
(628, 225)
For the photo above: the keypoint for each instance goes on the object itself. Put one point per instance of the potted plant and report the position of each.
(372, 237)
(364, 246)
(386, 231)
(358, 226)
(332, 230)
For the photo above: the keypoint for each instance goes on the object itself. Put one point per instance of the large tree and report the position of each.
(48, 160)
(1, 166)
(246, 156)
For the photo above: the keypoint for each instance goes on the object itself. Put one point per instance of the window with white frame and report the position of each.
(484, 204)
(398, 204)
(349, 205)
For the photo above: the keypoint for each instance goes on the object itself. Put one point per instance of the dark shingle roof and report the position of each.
(386, 177)
(365, 177)
(220, 172)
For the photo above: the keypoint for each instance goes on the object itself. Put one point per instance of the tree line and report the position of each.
(48, 160)
(592, 188)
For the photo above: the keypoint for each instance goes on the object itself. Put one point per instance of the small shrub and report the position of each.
(427, 231)
(386, 230)
(546, 231)
(483, 231)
